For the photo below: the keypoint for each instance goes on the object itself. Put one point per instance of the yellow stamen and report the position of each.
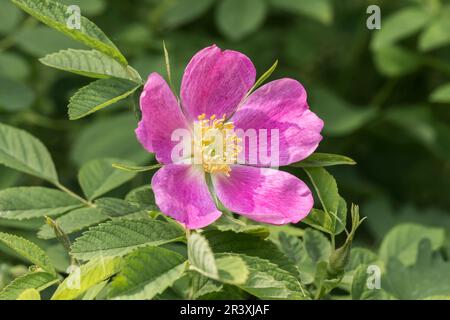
(218, 145)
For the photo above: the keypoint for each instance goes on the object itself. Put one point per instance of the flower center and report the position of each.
(215, 144)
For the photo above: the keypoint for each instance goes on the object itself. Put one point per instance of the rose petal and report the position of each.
(161, 116)
(215, 82)
(181, 192)
(279, 105)
(264, 194)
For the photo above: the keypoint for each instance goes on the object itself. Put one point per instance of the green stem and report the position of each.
(191, 285)
(317, 295)
(73, 194)
(188, 234)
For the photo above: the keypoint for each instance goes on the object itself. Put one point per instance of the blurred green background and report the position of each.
(384, 94)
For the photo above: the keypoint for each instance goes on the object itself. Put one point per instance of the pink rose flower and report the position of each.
(214, 84)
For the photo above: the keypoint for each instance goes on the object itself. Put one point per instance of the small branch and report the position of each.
(73, 194)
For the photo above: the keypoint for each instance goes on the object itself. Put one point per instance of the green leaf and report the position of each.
(201, 257)
(326, 189)
(332, 224)
(90, 63)
(294, 248)
(226, 268)
(131, 168)
(10, 17)
(341, 117)
(237, 19)
(288, 229)
(31, 225)
(21, 151)
(227, 223)
(30, 294)
(402, 242)
(232, 269)
(441, 94)
(427, 278)
(92, 142)
(98, 95)
(202, 286)
(326, 281)
(168, 68)
(9, 176)
(88, 275)
(291, 246)
(267, 281)
(94, 291)
(14, 66)
(33, 202)
(14, 95)
(74, 221)
(340, 219)
(360, 256)
(28, 250)
(266, 75)
(324, 160)
(359, 289)
(54, 15)
(420, 123)
(98, 177)
(250, 245)
(436, 33)
(142, 196)
(317, 245)
(146, 273)
(33, 280)
(417, 121)
(319, 220)
(38, 40)
(119, 237)
(58, 256)
(393, 61)
(359, 282)
(114, 207)
(400, 25)
(320, 10)
(172, 14)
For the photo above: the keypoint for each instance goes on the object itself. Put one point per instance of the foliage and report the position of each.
(383, 94)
